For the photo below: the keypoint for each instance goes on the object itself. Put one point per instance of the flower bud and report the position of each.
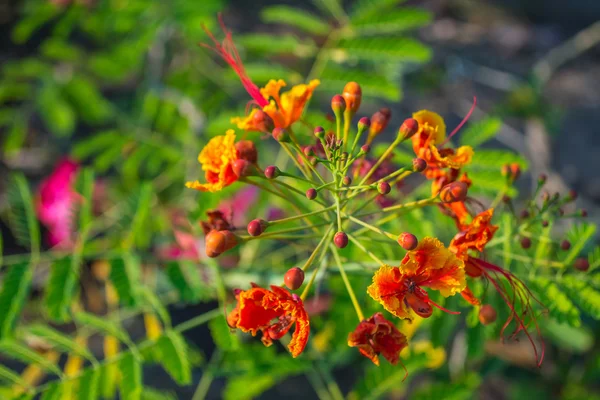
(346, 181)
(263, 121)
(293, 278)
(454, 192)
(581, 264)
(545, 223)
(308, 151)
(246, 150)
(365, 148)
(384, 187)
(542, 178)
(515, 171)
(257, 226)
(272, 172)
(218, 242)
(319, 132)
(583, 213)
(408, 241)
(363, 123)
(419, 165)
(340, 240)
(525, 243)
(572, 195)
(560, 212)
(409, 127)
(421, 307)
(487, 314)
(338, 104)
(524, 214)
(352, 94)
(280, 135)
(311, 194)
(379, 121)
(565, 245)
(242, 168)
(506, 199)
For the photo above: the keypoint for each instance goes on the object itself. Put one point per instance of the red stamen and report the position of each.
(229, 53)
(520, 291)
(465, 119)
(442, 308)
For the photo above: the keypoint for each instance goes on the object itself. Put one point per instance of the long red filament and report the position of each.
(464, 121)
(229, 53)
(521, 292)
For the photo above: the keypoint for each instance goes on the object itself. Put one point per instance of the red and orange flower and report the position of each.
(257, 308)
(431, 265)
(431, 134)
(377, 336)
(221, 160)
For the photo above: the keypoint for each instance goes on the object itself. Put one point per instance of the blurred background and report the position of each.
(123, 86)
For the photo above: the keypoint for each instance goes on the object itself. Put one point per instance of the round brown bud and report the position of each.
(419, 165)
(561, 212)
(242, 168)
(280, 135)
(542, 178)
(506, 199)
(582, 264)
(319, 132)
(216, 242)
(272, 172)
(257, 226)
(364, 123)
(308, 151)
(583, 212)
(545, 223)
(524, 214)
(384, 187)
(365, 148)
(408, 241)
(311, 194)
(565, 245)
(487, 314)
(545, 197)
(346, 181)
(340, 240)
(338, 104)
(293, 278)
(246, 150)
(352, 93)
(263, 121)
(525, 243)
(454, 192)
(379, 121)
(572, 195)
(409, 127)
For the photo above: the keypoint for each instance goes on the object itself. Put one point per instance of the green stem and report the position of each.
(338, 261)
(300, 216)
(373, 228)
(365, 250)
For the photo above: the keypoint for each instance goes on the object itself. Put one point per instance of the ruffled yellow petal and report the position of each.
(431, 124)
(452, 159)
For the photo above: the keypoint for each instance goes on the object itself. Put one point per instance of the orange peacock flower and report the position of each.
(258, 307)
(519, 299)
(376, 335)
(218, 160)
(284, 109)
(400, 289)
(431, 135)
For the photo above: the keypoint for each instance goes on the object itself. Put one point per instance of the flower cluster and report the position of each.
(339, 194)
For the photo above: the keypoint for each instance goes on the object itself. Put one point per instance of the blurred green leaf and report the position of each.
(390, 22)
(480, 132)
(384, 48)
(60, 289)
(557, 302)
(13, 295)
(296, 17)
(57, 113)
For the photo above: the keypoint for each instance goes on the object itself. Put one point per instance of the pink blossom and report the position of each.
(55, 203)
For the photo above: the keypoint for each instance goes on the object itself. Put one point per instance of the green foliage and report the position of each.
(557, 302)
(578, 235)
(174, 357)
(185, 277)
(21, 213)
(13, 295)
(298, 18)
(59, 340)
(586, 297)
(130, 370)
(21, 352)
(480, 132)
(125, 275)
(60, 290)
